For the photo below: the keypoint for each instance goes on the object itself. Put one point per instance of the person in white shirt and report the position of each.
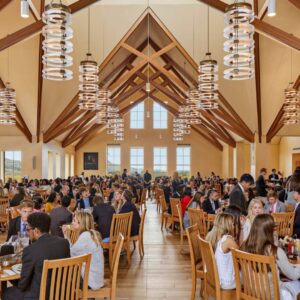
(88, 242)
(273, 205)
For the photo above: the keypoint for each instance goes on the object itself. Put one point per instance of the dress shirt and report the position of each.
(86, 202)
(23, 227)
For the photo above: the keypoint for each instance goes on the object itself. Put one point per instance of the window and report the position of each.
(113, 160)
(50, 165)
(136, 160)
(183, 160)
(160, 117)
(12, 165)
(72, 165)
(57, 165)
(67, 165)
(137, 116)
(160, 161)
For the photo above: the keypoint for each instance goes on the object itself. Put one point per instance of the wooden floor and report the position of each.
(164, 273)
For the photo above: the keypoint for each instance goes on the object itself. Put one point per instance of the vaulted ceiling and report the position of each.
(168, 56)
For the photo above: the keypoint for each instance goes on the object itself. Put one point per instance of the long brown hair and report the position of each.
(261, 236)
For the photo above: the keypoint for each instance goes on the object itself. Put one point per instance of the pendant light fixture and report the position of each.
(24, 9)
(239, 32)
(57, 45)
(88, 79)
(271, 8)
(208, 77)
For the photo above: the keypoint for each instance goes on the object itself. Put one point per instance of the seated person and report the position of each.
(18, 197)
(297, 213)
(44, 246)
(38, 204)
(103, 214)
(261, 241)
(186, 199)
(85, 200)
(115, 188)
(60, 216)
(222, 238)
(88, 241)
(19, 224)
(52, 201)
(211, 205)
(273, 205)
(128, 207)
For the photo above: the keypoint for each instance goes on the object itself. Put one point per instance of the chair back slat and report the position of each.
(163, 203)
(142, 223)
(192, 233)
(4, 204)
(121, 223)
(174, 202)
(256, 276)
(55, 270)
(198, 217)
(178, 207)
(285, 223)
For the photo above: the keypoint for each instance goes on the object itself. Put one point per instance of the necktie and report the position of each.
(24, 227)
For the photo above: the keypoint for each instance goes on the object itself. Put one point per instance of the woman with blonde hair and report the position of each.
(255, 208)
(88, 242)
(223, 240)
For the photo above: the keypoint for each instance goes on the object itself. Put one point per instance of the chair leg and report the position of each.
(128, 253)
(110, 255)
(141, 250)
(162, 222)
(201, 288)
(173, 224)
(194, 283)
(134, 246)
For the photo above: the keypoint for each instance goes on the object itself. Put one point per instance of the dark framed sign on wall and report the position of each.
(90, 160)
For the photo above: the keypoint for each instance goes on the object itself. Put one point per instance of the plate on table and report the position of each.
(17, 268)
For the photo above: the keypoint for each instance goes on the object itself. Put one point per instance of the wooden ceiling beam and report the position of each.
(262, 11)
(3, 3)
(129, 93)
(21, 128)
(33, 10)
(277, 123)
(296, 3)
(88, 136)
(263, 28)
(37, 26)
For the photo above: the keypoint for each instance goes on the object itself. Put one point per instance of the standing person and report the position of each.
(147, 182)
(103, 214)
(128, 207)
(44, 247)
(273, 176)
(292, 185)
(60, 216)
(273, 205)
(88, 242)
(297, 213)
(124, 175)
(237, 196)
(20, 223)
(261, 187)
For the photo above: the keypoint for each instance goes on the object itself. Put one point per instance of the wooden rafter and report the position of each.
(33, 10)
(262, 11)
(277, 123)
(3, 3)
(263, 28)
(296, 3)
(37, 26)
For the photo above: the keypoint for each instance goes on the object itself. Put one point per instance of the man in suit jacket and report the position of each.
(128, 207)
(19, 224)
(261, 187)
(237, 196)
(85, 200)
(211, 204)
(274, 205)
(45, 246)
(297, 213)
(103, 214)
(60, 216)
(273, 176)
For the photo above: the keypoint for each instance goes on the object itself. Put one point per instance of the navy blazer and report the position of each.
(81, 203)
(207, 207)
(103, 214)
(297, 222)
(14, 227)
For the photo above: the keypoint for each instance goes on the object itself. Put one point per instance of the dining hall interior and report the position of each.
(149, 149)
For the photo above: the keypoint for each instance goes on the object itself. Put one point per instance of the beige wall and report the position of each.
(204, 156)
(243, 158)
(227, 162)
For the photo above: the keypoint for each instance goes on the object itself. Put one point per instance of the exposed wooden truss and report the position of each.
(20, 123)
(296, 3)
(127, 81)
(278, 122)
(3, 3)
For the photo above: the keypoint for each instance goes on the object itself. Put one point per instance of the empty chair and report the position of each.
(256, 276)
(140, 236)
(121, 223)
(211, 276)
(64, 278)
(192, 233)
(285, 223)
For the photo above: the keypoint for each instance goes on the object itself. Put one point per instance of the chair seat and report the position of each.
(166, 214)
(102, 292)
(228, 294)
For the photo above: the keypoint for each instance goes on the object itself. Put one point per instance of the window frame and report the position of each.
(13, 176)
(181, 166)
(157, 121)
(140, 171)
(107, 150)
(160, 172)
(140, 116)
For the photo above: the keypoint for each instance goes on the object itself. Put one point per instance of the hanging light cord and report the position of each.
(148, 29)
(88, 30)
(291, 65)
(208, 27)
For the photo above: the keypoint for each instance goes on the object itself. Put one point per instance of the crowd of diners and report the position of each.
(243, 208)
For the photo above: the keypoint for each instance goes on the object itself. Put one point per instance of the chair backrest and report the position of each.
(192, 233)
(144, 194)
(211, 272)
(138, 192)
(121, 223)
(289, 208)
(285, 223)
(178, 207)
(63, 278)
(163, 203)
(210, 221)
(256, 276)
(174, 202)
(72, 234)
(141, 229)
(115, 265)
(198, 217)
(4, 204)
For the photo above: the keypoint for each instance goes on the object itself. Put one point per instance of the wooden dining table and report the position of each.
(6, 275)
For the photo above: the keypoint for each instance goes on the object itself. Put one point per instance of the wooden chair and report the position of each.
(143, 199)
(198, 217)
(140, 236)
(174, 212)
(121, 223)
(211, 277)
(252, 272)
(285, 223)
(289, 208)
(110, 285)
(72, 234)
(64, 277)
(181, 227)
(210, 221)
(165, 216)
(158, 194)
(4, 217)
(192, 233)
